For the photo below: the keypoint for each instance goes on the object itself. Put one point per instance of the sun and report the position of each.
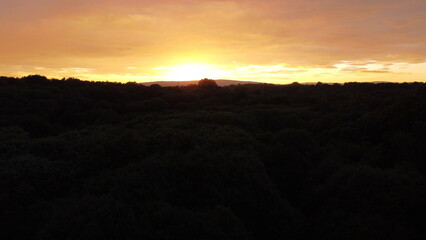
(191, 72)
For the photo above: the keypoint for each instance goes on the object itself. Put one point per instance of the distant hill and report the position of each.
(223, 83)
(220, 82)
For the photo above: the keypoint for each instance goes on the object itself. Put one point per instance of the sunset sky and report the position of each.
(275, 41)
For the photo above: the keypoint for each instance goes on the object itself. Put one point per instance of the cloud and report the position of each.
(375, 71)
(108, 35)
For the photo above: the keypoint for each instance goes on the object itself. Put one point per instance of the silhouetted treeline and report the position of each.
(98, 160)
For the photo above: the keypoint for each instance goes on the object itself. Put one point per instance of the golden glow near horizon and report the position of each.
(190, 72)
(274, 41)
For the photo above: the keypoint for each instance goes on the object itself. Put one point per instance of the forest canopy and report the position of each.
(102, 160)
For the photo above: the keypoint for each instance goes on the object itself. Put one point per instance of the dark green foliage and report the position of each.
(97, 160)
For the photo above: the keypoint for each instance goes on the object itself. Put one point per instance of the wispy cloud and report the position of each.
(108, 36)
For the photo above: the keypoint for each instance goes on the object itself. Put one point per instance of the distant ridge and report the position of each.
(220, 82)
(224, 82)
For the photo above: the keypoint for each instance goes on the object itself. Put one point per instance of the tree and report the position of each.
(207, 83)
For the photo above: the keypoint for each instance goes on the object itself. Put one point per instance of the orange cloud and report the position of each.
(107, 36)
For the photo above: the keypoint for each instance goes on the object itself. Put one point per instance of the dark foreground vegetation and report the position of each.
(92, 160)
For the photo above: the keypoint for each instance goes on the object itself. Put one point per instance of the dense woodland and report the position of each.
(96, 160)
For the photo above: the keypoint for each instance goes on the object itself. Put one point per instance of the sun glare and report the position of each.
(191, 72)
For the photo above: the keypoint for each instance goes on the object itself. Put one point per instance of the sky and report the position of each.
(274, 41)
